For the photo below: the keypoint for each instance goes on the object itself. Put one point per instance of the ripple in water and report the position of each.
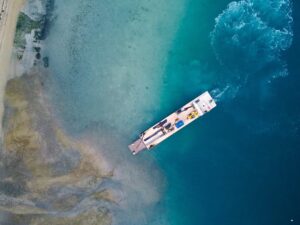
(252, 34)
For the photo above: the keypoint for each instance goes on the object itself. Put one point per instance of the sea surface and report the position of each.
(117, 67)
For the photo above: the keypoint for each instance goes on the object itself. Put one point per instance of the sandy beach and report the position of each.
(9, 10)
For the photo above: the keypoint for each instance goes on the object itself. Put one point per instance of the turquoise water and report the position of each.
(117, 68)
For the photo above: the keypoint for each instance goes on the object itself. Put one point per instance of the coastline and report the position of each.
(68, 179)
(9, 16)
(32, 140)
(50, 177)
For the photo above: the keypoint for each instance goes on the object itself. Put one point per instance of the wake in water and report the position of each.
(249, 38)
(252, 34)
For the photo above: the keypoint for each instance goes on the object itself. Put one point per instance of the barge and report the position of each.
(173, 123)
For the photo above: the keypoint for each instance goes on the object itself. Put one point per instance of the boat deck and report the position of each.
(173, 123)
(137, 146)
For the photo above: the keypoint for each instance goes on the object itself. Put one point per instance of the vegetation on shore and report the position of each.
(25, 25)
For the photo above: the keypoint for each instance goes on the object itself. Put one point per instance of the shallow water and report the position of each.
(106, 60)
(119, 67)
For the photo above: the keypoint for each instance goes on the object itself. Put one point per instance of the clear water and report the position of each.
(118, 67)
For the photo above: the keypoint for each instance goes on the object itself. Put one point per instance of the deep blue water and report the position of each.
(240, 163)
(237, 165)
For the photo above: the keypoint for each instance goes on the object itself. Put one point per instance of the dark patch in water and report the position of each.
(46, 61)
(47, 19)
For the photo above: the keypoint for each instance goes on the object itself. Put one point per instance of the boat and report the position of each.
(173, 123)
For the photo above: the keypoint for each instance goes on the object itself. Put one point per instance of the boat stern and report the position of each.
(137, 146)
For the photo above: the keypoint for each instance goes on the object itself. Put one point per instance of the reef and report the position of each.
(47, 177)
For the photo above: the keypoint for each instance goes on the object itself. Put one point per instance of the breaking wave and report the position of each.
(251, 34)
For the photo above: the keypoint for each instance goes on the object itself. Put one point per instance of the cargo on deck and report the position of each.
(173, 123)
